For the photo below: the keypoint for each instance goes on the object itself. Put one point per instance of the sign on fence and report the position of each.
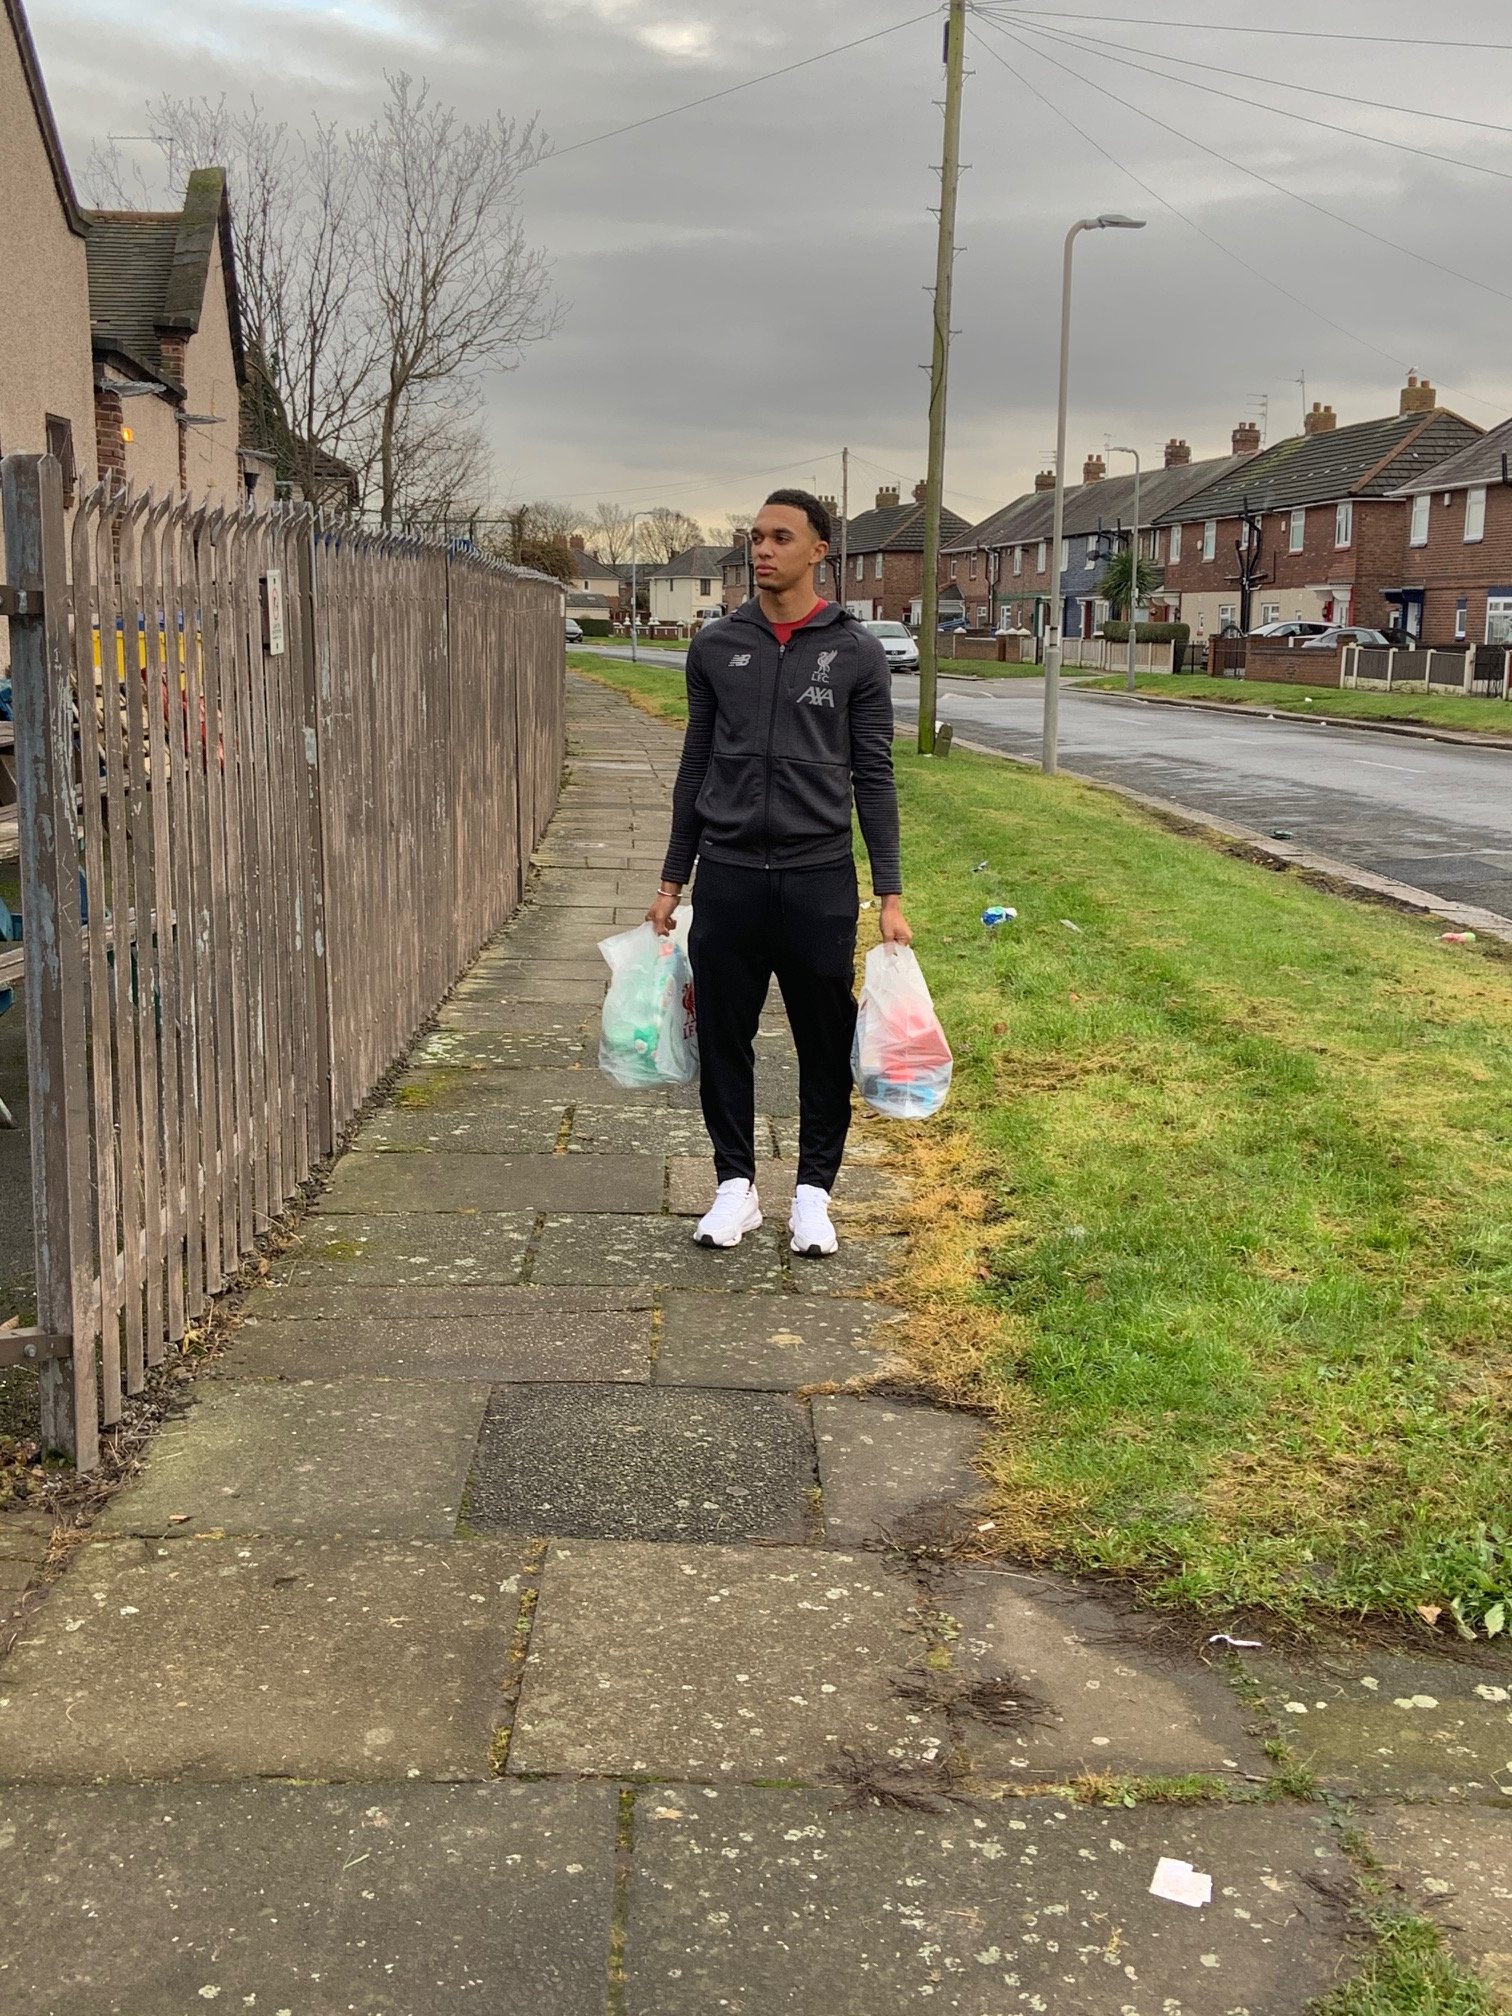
(277, 784)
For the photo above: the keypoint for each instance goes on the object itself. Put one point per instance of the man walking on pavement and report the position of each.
(789, 721)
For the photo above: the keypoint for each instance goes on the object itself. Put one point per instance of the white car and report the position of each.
(897, 642)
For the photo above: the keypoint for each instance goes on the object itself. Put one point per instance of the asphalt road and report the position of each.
(1434, 814)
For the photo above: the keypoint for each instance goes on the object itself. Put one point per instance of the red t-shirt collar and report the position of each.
(784, 631)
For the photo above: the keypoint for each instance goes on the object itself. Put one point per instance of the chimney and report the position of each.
(1094, 469)
(1321, 420)
(1177, 454)
(830, 505)
(1246, 438)
(887, 499)
(1418, 395)
(921, 491)
(1045, 480)
(577, 543)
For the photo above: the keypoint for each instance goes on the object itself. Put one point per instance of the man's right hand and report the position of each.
(660, 914)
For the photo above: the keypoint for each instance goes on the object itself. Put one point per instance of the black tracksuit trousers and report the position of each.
(799, 923)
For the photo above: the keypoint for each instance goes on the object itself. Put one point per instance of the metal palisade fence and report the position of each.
(277, 783)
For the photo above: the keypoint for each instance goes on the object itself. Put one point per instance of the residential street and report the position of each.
(1431, 814)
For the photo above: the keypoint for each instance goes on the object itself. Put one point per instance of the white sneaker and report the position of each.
(735, 1211)
(809, 1223)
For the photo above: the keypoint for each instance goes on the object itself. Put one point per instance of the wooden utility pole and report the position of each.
(844, 526)
(939, 371)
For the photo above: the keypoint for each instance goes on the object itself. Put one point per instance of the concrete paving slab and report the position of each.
(535, 1344)
(276, 1302)
(373, 1459)
(24, 1535)
(564, 983)
(632, 1463)
(659, 1252)
(776, 1085)
(599, 1129)
(717, 1663)
(226, 1659)
(775, 1342)
(749, 1901)
(476, 1042)
(883, 1464)
(459, 1020)
(690, 1188)
(1113, 1699)
(1455, 1867)
(15, 1576)
(409, 1246)
(461, 1087)
(1379, 1723)
(449, 1182)
(467, 1128)
(860, 1264)
(445, 1899)
(866, 1144)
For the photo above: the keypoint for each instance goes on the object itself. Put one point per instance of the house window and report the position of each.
(60, 444)
(860, 568)
(954, 563)
(1175, 544)
(1210, 539)
(1499, 620)
(1461, 620)
(877, 567)
(1475, 515)
(1298, 531)
(1065, 556)
(973, 566)
(1018, 559)
(1227, 614)
(706, 589)
(1042, 552)
(1270, 612)
(1344, 523)
(1155, 545)
(1422, 504)
(983, 615)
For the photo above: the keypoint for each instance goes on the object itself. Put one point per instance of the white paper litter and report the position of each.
(1238, 1644)
(1180, 1883)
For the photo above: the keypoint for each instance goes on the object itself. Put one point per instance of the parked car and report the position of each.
(1292, 628)
(1343, 633)
(902, 651)
(954, 623)
(574, 631)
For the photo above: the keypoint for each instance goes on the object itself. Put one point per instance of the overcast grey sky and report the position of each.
(747, 279)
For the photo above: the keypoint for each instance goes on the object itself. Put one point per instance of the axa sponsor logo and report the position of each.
(817, 696)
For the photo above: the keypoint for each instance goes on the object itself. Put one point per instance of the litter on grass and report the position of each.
(980, 868)
(1458, 938)
(1282, 833)
(1180, 1883)
(998, 913)
(1236, 1644)
(1070, 926)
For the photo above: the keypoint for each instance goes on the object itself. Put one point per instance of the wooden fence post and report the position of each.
(314, 676)
(31, 503)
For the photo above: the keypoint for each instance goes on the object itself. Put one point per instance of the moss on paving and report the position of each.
(1439, 710)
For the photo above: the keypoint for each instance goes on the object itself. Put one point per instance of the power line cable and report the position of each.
(1392, 245)
(1124, 59)
(1278, 83)
(661, 490)
(730, 90)
(1201, 230)
(1237, 28)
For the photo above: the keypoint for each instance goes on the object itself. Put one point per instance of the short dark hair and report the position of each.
(806, 502)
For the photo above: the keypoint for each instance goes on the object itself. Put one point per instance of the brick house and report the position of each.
(1003, 567)
(1456, 579)
(1312, 522)
(687, 586)
(594, 585)
(46, 390)
(885, 562)
(165, 324)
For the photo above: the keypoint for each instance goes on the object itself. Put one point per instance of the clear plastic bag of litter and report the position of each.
(900, 1060)
(648, 1032)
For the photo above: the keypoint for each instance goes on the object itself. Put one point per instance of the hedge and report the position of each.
(1148, 633)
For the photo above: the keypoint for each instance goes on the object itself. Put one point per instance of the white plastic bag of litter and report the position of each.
(900, 1060)
(648, 1034)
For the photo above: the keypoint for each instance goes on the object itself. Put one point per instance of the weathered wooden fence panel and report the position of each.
(277, 784)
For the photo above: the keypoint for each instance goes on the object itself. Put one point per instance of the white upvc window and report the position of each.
(1210, 539)
(1065, 556)
(1422, 504)
(860, 567)
(953, 565)
(1499, 620)
(877, 567)
(1461, 620)
(973, 566)
(1042, 553)
(1475, 515)
(1298, 533)
(1018, 559)
(1175, 544)
(1227, 613)
(1344, 523)
(1270, 612)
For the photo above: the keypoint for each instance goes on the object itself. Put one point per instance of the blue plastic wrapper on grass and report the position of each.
(648, 1031)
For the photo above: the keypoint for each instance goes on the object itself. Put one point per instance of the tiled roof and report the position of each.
(148, 270)
(698, 562)
(1367, 460)
(1480, 461)
(898, 528)
(1108, 502)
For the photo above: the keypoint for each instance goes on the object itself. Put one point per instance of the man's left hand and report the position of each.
(896, 929)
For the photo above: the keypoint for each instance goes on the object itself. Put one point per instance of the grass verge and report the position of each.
(658, 690)
(1410, 1973)
(1434, 710)
(986, 668)
(1218, 1225)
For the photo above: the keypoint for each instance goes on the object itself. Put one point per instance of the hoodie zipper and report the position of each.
(766, 803)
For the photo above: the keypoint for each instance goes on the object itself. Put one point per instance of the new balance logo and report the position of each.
(740, 658)
(817, 696)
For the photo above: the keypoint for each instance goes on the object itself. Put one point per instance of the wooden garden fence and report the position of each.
(277, 783)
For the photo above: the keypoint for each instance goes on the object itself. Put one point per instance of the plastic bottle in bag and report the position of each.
(648, 1034)
(900, 1059)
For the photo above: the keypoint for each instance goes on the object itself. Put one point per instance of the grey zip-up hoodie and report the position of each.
(780, 740)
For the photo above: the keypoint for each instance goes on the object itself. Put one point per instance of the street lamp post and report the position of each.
(1111, 220)
(1132, 681)
(635, 518)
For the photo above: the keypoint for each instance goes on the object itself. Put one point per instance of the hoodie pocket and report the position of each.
(810, 801)
(731, 802)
